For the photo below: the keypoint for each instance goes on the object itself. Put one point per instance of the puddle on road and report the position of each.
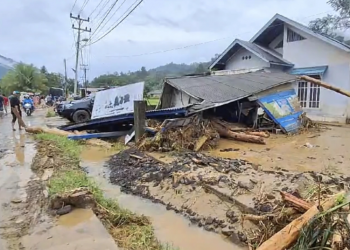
(75, 217)
(169, 226)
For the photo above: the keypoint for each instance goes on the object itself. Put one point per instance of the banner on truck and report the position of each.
(117, 101)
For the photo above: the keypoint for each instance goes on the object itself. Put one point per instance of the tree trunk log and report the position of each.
(225, 132)
(289, 234)
(325, 85)
(260, 134)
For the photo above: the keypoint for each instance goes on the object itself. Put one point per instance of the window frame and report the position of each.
(311, 97)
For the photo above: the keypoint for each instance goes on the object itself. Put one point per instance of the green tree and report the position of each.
(329, 24)
(24, 77)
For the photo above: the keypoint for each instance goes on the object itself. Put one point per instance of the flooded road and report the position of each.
(17, 150)
(169, 226)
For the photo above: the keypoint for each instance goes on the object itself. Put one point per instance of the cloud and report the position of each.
(39, 31)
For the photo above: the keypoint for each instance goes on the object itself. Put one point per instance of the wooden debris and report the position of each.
(288, 235)
(136, 156)
(197, 161)
(253, 217)
(337, 241)
(55, 131)
(260, 134)
(200, 142)
(226, 132)
(325, 85)
(299, 203)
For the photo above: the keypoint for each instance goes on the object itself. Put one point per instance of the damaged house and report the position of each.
(264, 70)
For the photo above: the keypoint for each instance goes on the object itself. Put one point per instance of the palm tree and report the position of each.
(24, 77)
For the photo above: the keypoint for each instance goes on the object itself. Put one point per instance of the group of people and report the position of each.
(15, 107)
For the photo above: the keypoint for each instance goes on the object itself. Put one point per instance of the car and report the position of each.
(77, 111)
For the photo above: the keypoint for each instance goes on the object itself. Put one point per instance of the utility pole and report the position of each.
(80, 22)
(65, 77)
(84, 67)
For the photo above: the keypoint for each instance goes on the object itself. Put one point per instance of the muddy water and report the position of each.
(16, 153)
(169, 226)
(325, 151)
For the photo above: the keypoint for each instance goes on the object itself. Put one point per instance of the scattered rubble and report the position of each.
(227, 196)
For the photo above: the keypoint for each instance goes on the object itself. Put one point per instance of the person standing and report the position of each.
(15, 104)
(6, 103)
(1, 106)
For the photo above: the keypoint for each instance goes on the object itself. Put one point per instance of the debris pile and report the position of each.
(190, 133)
(195, 133)
(228, 196)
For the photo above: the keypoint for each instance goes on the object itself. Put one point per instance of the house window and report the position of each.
(309, 94)
(293, 36)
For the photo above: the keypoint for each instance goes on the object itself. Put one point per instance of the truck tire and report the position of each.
(81, 116)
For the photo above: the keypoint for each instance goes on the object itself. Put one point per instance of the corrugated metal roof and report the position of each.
(309, 71)
(220, 89)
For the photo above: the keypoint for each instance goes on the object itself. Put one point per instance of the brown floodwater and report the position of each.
(169, 227)
(75, 217)
(325, 151)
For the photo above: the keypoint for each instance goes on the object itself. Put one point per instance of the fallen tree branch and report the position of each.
(288, 235)
(295, 201)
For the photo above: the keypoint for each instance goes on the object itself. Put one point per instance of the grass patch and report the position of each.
(50, 113)
(131, 231)
(152, 101)
(68, 147)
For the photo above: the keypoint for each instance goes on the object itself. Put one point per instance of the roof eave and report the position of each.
(236, 41)
(283, 64)
(298, 26)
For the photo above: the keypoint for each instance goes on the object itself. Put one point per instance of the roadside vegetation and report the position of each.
(130, 231)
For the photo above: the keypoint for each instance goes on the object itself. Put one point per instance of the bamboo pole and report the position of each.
(325, 85)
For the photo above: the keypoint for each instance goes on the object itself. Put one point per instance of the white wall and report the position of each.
(236, 62)
(312, 51)
(180, 99)
(334, 107)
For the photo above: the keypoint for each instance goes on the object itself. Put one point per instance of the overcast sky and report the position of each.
(39, 31)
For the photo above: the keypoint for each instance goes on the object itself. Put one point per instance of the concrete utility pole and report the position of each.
(65, 77)
(139, 119)
(84, 67)
(80, 21)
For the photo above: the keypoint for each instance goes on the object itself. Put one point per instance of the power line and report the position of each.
(102, 9)
(84, 5)
(74, 5)
(116, 10)
(115, 26)
(106, 15)
(202, 43)
(95, 8)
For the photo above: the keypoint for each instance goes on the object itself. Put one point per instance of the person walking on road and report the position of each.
(15, 104)
(1, 106)
(6, 103)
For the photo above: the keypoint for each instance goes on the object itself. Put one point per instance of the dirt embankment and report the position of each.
(214, 193)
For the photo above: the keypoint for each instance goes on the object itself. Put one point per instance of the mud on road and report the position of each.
(214, 192)
(22, 197)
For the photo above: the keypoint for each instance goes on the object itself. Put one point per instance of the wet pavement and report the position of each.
(169, 226)
(17, 150)
(22, 225)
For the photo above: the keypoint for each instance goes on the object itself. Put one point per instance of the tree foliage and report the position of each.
(153, 77)
(330, 24)
(24, 77)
